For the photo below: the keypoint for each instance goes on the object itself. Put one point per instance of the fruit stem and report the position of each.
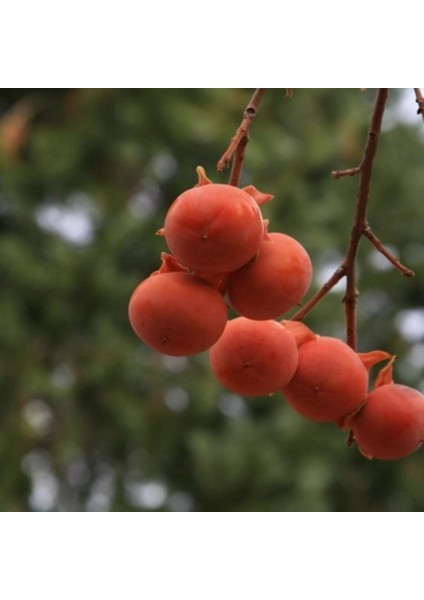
(238, 143)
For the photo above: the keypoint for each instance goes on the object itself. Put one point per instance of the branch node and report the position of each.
(351, 297)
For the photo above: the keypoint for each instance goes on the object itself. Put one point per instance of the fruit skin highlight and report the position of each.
(254, 358)
(275, 282)
(177, 313)
(214, 228)
(391, 423)
(331, 381)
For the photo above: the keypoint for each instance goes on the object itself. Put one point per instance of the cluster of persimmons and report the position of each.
(222, 254)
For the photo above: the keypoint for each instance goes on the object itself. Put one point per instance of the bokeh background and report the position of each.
(93, 420)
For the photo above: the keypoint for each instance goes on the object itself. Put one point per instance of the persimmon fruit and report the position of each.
(214, 228)
(390, 425)
(273, 283)
(177, 313)
(331, 381)
(254, 358)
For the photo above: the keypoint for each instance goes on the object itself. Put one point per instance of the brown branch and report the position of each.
(239, 141)
(360, 219)
(238, 160)
(347, 268)
(368, 233)
(345, 173)
(328, 285)
(420, 101)
(350, 300)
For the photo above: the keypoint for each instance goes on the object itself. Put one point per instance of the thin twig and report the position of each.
(239, 141)
(345, 173)
(368, 233)
(328, 285)
(420, 101)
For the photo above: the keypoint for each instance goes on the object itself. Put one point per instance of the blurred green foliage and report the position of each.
(90, 418)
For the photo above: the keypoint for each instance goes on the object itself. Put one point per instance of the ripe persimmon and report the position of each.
(254, 358)
(273, 283)
(390, 425)
(177, 313)
(331, 381)
(213, 228)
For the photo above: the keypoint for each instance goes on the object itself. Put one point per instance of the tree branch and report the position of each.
(360, 219)
(360, 227)
(420, 101)
(238, 160)
(345, 173)
(328, 285)
(240, 139)
(368, 233)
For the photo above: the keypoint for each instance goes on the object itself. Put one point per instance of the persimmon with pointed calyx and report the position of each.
(275, 282)
(390, 425)
(177, 313)
(331, 380)
(254, 358)
(213, 228)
